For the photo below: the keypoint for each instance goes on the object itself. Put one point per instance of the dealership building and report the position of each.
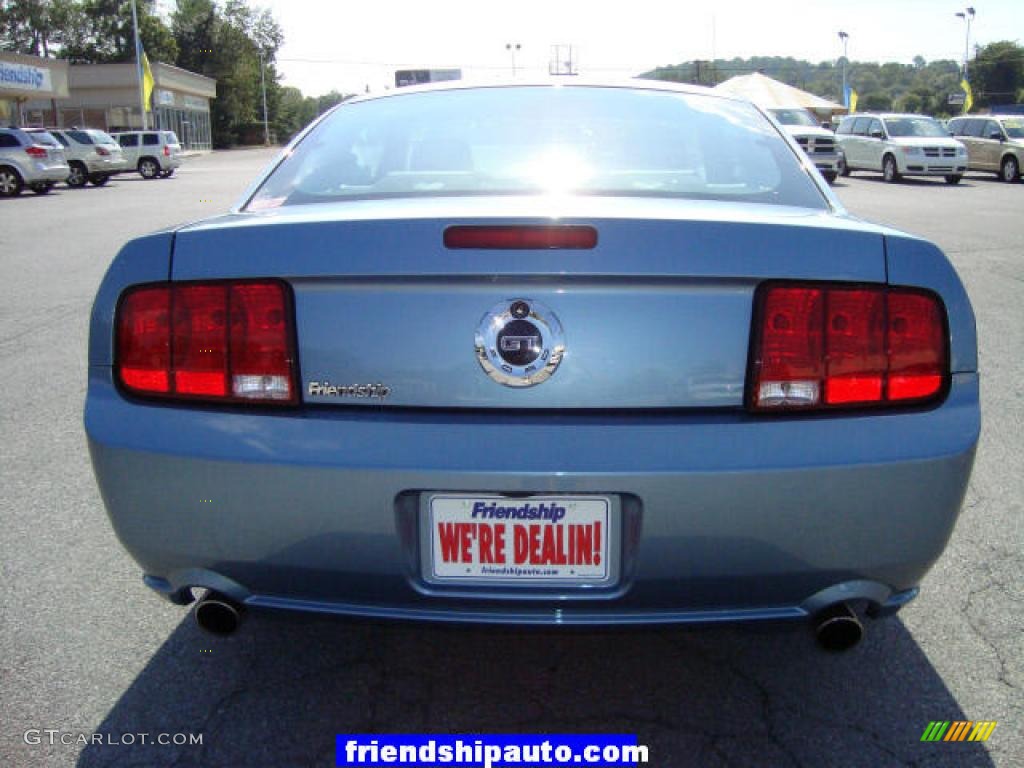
(49, 92)
(29, 78)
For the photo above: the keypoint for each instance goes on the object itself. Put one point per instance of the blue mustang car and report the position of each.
(536, 353)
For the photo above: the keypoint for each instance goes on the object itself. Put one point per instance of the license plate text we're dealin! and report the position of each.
(519, 539)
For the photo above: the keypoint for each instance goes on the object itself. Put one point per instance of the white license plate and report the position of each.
(536, 539)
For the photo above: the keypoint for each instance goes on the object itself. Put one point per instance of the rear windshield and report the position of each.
(81, 137)
(915, 126)
(102, 137)
(1014, 128)
(43, 137)
(170, 137)
(536, 139)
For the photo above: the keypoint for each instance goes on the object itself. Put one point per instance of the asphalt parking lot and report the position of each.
(85, 648)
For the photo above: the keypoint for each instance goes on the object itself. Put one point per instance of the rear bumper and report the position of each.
(726, 517)
(47, 174)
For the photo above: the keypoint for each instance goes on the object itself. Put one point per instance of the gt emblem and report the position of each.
(515, 343)
(519, 343)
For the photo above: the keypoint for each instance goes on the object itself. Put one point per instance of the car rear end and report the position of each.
(360, 396)
(171, 153)
(49, 163)
(106, 156)
(29, 159)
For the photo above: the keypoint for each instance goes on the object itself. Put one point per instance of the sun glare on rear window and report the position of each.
(542, 140)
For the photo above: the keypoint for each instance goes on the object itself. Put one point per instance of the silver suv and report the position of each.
(33, 160)
(994, 143)
(152, 153)
(900, 145)
(817, 142)
(93, 155)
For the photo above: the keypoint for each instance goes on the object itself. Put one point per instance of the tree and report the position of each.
(38, 27)
(106, 33)
(997, 73)
(194, 26)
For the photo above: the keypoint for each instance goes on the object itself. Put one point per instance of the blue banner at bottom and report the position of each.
(489, 750)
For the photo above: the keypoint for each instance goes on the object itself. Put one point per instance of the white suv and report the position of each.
(900, 145)
(93, 155)
(152, 153)
(35, 160)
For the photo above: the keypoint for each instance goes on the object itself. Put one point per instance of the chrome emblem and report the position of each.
(519, 343)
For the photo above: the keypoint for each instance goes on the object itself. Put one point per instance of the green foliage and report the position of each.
(997, 75)
(37, 27)
(104, 33)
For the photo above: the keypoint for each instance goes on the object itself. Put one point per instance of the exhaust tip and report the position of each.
(218, 615)
(838, 629)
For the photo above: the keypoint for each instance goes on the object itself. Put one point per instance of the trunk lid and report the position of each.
(657, 315)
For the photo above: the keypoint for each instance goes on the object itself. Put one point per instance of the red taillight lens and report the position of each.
(521, 238)
(218, 341)
(36, 151)
(102, 151)
(167, 151)
(828, 346)
(144, 340)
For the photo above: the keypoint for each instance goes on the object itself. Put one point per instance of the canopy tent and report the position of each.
(769, 93)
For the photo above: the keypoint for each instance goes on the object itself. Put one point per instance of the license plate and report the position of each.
(553, 539)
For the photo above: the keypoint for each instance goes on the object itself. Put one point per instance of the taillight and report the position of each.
(36, 151)
(167, 151)
(520, 237)
(226, 341)
(102, 151)
(833, 346)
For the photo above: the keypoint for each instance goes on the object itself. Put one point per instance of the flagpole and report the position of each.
(138, 66)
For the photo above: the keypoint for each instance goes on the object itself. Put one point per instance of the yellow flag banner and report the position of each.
(853, 101)
(147, 81)
(968, 96)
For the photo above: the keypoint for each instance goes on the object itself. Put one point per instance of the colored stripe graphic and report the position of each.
(959, 730)
(935, 730)
(982, 730)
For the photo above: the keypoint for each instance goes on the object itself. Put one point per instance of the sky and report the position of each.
(347, 46)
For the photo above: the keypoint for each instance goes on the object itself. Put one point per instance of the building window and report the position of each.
(191, 126)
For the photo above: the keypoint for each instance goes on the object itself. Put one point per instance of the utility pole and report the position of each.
(967, 15)
(512, 48)
(844, 37)
(263, 85)
(138, 66)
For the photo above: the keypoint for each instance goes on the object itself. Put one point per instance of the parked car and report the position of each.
(153, 153)
(32, 160)
(817, 142)
(994, 143)
(557, 353)
(93, 155)
(898, 145)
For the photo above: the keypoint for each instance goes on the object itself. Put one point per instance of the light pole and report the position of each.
(967, 14)
(844, 37)
(512, 48)
(263, 86)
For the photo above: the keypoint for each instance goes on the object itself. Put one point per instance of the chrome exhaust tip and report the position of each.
(837, 628)
(218, 615)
